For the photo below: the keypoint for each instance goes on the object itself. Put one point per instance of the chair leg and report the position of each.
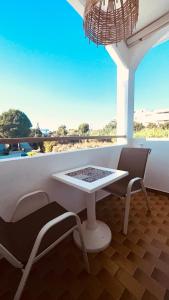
(126, 214)
(146, 196)
(22, 283)
(85, 256)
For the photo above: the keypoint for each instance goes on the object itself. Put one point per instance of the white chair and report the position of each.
(23, 241)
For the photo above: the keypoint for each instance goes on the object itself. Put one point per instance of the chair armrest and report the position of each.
(49, 225)
(130, 184)
(55, 221)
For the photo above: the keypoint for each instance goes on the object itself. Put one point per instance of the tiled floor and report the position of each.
(132, 267)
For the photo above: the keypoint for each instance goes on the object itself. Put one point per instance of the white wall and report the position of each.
(23, 175)
(157, 171)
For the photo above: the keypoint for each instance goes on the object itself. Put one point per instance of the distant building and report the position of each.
(158, 117)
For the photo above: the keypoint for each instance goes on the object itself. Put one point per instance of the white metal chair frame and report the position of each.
(33, 256)
(128, 200)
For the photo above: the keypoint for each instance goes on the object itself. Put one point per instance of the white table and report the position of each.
(97, 234)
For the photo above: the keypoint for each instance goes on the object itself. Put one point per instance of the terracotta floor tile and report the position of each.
(112, 285)
(131, 284)
(161, 277)
(140, 251)
(148, 296)
(124, 263)
(141, 263)
(106, 296)
(164, 257)
(127, 296)
(150, 284)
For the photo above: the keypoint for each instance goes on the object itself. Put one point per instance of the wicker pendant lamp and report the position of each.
(110, 21)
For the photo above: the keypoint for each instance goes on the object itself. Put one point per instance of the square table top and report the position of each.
(89, 178)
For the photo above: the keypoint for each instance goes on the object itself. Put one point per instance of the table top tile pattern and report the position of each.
(89, 174)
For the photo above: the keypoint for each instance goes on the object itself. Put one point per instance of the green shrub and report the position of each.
(152, 133)
(49, 146)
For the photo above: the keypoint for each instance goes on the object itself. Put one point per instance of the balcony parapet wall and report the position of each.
(23, 175)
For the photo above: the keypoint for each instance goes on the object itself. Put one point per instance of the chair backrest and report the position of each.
(25, 206)
(134, 161)
(29, 203)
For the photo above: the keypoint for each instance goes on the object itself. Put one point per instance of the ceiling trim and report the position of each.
(148, 30)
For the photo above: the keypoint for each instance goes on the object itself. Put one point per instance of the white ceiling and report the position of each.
(151, 10)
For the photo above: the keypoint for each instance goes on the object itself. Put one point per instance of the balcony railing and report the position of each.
(61, 139)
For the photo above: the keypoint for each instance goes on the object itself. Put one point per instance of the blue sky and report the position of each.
(49, 70)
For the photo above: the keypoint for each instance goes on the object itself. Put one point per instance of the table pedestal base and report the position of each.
(96, 239)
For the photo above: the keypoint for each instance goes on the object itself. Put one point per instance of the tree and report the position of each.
(14, 123)
(73, 132)
(36, 132)
(83, 128)
(62, 130)
(152, 125)
(110, 128)
(165, 126)
(138, 126)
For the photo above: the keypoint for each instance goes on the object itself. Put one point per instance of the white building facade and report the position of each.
(160, 116)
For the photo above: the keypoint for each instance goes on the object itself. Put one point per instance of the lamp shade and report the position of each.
(110, 21)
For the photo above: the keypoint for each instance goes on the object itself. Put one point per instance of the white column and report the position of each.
(125, 101)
